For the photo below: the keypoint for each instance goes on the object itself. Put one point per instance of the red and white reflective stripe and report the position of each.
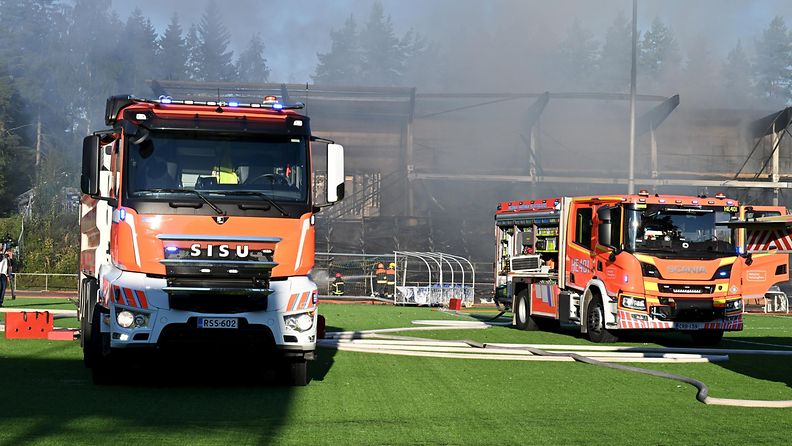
(765, 240)
(129, 297)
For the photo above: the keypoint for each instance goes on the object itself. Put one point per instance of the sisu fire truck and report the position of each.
(197, 223)
(608, 264)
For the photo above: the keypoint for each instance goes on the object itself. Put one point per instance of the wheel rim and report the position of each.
(595, 319)
(522, 311)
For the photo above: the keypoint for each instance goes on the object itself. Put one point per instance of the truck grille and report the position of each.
(685, 289)
(525, 263)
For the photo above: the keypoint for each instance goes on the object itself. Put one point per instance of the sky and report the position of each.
(294, 32)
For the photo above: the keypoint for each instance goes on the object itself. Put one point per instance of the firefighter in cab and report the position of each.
(390, 274)
(337, 286)
(382, 280)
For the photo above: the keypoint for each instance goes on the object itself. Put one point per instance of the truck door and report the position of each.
(766, 269)
(579, 254)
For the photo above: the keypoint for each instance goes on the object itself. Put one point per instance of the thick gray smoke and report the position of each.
(502, 40)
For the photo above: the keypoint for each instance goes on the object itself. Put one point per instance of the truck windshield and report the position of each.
(220, 166)
(680, 232)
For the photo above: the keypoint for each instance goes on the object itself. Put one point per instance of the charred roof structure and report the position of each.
(425, 170)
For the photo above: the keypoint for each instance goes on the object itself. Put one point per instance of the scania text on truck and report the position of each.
(197, 222)
(613, 263)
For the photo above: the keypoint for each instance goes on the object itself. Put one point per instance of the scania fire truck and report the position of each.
(197, 222)
(614, 263)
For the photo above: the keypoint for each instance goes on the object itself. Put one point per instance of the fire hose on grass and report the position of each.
(379, 341)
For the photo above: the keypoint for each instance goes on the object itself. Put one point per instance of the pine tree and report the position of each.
(658, 52)
(193, 53)
(173, 52)
(214, 59)
(615, 59)
(252, 66)
(577, 57)
(773, 66)
(15, 157)
(414, 48)
(382, 60)
(701, 73)
(138, 49)
(341, 64)
(737, 75)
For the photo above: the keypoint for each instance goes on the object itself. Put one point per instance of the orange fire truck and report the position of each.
(614, 263)
(197, 222)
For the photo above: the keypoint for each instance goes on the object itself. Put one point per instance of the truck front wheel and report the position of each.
(297, 373)
(595, 323)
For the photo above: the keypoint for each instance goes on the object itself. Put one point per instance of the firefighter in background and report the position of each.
(337, 285)
(390, 274)
(382, 280)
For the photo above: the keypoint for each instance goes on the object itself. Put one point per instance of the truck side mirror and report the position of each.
(604, 227)
(89, 179)
(335, 173)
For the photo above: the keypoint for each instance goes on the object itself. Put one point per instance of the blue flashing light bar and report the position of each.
(167, 100)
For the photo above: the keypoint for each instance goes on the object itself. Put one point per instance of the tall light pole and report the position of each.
(633, 75)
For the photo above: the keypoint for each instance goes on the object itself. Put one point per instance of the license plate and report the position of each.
(218, 322)
(689, 325)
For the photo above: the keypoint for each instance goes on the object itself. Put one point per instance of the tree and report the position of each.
(15, 160)
(252, 66)
(173, 51)
(577, 56)
(193, 53)
(773, 66)
(138, 49)
(341, 64)
(382, 58)
(213, 59)
(658, 52)
(615, 59)
(414, 49)
(701, 73)
(737, 75)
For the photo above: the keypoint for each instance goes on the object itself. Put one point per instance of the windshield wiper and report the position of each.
(189, 191)
(261, 195)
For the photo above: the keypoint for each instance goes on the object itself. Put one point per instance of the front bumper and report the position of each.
(260, 321)
(639, 320)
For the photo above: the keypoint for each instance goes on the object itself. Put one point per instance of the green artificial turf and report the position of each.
(360, 398)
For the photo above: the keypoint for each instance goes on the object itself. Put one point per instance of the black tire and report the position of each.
(94, 351)
(595, 323)
(522, 312)
(297, 373)
(88, 298)
(706, 337)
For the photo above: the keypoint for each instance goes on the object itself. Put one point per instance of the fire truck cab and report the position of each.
(614, 263)
(197, 222)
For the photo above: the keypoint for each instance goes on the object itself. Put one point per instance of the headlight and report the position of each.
(299, 322)
(125, 319)
(635, 303)
(722, 273)
(650, 270)
(734, 305)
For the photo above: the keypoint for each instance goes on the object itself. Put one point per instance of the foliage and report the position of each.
(577, 57)
(658, 52)
(214, 61)
(252, 66)
(615, 58)
(773, 65)
(737, 75)
(173, 51)
(374, 55)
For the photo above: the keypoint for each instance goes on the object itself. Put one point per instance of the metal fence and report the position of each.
(44, 282)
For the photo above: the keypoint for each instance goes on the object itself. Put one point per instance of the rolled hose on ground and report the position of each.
(703, 390)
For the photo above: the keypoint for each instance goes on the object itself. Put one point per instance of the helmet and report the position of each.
(338, 274)
(380, 265)
(391, 265)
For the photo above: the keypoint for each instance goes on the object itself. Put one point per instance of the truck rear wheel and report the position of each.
(706, 337)
(595, 323)
(522, 313)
